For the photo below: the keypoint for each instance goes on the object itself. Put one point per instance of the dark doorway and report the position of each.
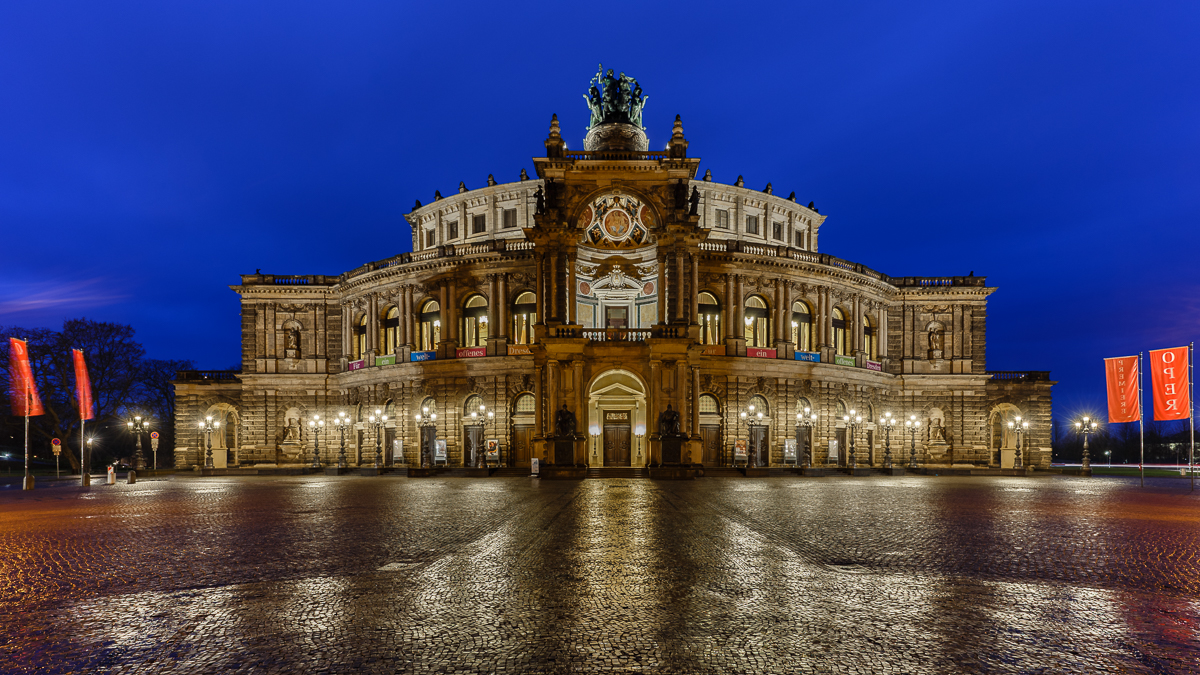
(472, 444)
(616, 437)
(389, 455)
(758, 445)
(804, 446)
(842, 450)
(522, 445)
(871, 458)
(710, 440)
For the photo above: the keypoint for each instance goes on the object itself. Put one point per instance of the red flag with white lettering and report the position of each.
(22, 389)
(1169, 380)
(83, 386)
(1122, 376)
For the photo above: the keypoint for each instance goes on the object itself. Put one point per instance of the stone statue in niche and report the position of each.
(291, 431)
(937, 432)
(291, 341)
(936, 341)
(668, 423)
(564, 423)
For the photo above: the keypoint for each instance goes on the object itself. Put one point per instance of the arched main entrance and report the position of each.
(617, 420)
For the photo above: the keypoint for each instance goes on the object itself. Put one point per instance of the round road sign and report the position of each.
(153, 434)
(55, 441)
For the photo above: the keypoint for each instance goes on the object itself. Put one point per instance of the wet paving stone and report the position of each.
(782, 575)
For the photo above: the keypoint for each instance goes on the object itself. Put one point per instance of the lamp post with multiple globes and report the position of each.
(752, 417)
(315, 426)
(377, 421)
(343, 424)
(1020, 427)
(137, 427)
(426, 419)
(1087, 426)
(912, 425)
(888, 423)
(207, 427)
(853, 421)
(805, 420)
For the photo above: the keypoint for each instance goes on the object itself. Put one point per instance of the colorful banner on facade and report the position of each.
(713, 350)
(520, 350)
(83, 387)
(844, 360)
(389, 360)
(22, 391)
(422, 356)
(812, 357)
(760, 353)
(1121, 374)
(1169, 381)
(873, 365)
(470, 352)
(356, 365)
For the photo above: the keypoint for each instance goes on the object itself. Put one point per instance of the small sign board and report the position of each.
(388, 360)
(874, 365)
(356, 365)
(422, 356)
(439, 451)
(57, 446)
(470, 352)
(739, 449)
(844, 360)
(812, 357)
(493, 450)
(760, 353)
(533, 466)
(789, 450)
(519, 350)
(713, 350)
(833, 451)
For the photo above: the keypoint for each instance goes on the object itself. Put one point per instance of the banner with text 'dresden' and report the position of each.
(1122, 376)
(1169, 381)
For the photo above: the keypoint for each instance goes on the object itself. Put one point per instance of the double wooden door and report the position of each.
(616, 444)
(710, 441)
(522, 444)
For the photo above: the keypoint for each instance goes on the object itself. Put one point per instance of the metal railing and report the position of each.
(1025, 375)
(617, 334)
(215, 375)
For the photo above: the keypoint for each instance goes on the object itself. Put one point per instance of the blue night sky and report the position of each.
(150, 152)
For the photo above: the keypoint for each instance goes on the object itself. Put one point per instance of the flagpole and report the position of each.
(1141, 425)
(28, 484)
(1192, 412)
(85, 478)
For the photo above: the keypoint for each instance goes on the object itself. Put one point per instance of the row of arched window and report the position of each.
(473, 325)
(758, 324)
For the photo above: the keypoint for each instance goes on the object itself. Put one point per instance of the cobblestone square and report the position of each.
(782, 575)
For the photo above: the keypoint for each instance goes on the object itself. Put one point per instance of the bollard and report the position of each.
(27, 483)
(132, 477)
(112, 476)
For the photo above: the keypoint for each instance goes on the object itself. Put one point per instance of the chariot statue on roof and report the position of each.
(613, 98)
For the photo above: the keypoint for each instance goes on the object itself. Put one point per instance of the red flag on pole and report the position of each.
(83, 386)
(22, 389)
(1122, 376)
(1169, 379)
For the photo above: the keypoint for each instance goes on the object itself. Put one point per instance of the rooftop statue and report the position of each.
(612, 98)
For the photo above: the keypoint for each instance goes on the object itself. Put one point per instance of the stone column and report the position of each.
(681, 391)
(373, 324)
(571, 286)
(695, 405)
(662, 288)
(730, 316)
(539, 403)
(883, 331)
(443, 292)
(410, 337)
(552, 385)
(552, 273)
(347, 317)
(539, 285)
(502, 300)
(678, 291)
(695, 296)
(655, 383)
(739, 298)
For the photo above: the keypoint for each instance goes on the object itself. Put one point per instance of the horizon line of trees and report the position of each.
(1165, 443)
(124, 383)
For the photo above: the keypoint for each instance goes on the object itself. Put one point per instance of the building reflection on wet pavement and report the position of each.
(780, 575)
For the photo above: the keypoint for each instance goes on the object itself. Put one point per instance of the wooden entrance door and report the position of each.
(758, 446)
(616, 437)
(843, 451)
(522, 444)
(710, 440)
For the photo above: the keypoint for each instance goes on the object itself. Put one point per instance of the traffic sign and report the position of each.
(153, 434)
(57, 446)
(55, 441)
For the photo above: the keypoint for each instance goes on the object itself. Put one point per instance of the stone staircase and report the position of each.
(617, 472)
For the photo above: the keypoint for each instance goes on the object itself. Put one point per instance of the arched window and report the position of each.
(709, 405)
(523, 405)
(524, 312)
(802, 324)
(760, 406)
(757, 322)
(430, 321)
(803, 403)
(360, 338)
(841, 410)
(709, 319)
(839, 332)
(869, 413)
(474, 322)
(428, 406)
(390, 331)
(870, 341)
(474, 401)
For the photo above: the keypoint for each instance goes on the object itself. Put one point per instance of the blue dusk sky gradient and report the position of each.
(150, 152)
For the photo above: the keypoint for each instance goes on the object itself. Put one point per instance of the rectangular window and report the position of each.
(752, 224)
(723, 219)
(478, 224)
(452, 230)
(510, 218)
(777, 231)
(799, 242)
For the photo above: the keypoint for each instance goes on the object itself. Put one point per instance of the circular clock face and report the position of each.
(616, 224)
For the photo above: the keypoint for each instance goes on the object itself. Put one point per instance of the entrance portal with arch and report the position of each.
(617, 408)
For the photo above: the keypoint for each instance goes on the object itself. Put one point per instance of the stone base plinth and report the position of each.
(560, 472)
(813, 472)
(674, 473)
(478, 472)
(857, 471)
(893, 471)
(338, 471)
(756, 472)
(421, 472)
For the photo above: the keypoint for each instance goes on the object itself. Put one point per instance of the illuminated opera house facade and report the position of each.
(569, 310)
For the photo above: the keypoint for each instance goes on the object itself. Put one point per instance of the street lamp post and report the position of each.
(594, 430)
(1021, 427)
(912, 425)
(208, 426)
(315, 426)
(639, 431)
(342, 423)
(377, 421)
(853, 422)
(426, 420)
(753, 418)
(138, 427)
(888, 423)
(1087, 427)
(806, 420)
